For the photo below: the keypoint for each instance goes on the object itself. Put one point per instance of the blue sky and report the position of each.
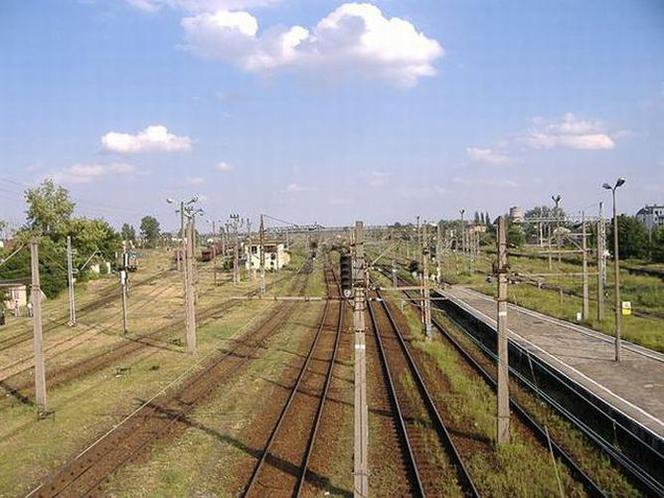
(378, 111)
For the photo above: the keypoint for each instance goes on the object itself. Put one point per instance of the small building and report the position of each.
(517, 214)
(276, 256)
(652, 217)
(14, 296)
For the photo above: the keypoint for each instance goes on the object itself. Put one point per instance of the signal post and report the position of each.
(361, 416)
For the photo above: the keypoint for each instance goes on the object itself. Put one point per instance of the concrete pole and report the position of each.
(180, 262)
(503, 412)
(252, 270)
(361, 413)
(426, 301)
(189, 296)
(183, 252)
(38, 340)
(616, 264)
(601, 266)
(261, 255)
(123, 286)
(214, 253)
(439, 253)
(584, 246)
(395, 282)
(70, 282)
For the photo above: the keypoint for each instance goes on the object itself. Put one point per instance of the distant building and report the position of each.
(517, 214)
(652, 217)
(276, 256)
(14, 296)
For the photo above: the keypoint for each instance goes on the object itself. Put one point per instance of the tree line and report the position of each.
(50, 216)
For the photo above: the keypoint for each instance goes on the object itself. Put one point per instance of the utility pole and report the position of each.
(426, 301)
(252, 270)
(361, 416)
(503, 412)
(180, 257)
(189, 294)
(123, 283)
(439, 253)
(236, 224)
(601, 266)
(395, 283)
(261, 255)
(70, 281)
(462, 234)
(584, 247)
(214, 253)
(38, 340)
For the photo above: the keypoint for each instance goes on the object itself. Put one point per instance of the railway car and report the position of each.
(206, 254)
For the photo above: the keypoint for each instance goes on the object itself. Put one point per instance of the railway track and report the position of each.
(23, 388)
(538, 430)
(161, 416)
(105, 298)
(415, 410)
(294, 434)
(630, 467)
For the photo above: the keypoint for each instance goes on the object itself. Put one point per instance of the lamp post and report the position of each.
(616, 262)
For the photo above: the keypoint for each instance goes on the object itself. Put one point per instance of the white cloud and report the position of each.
(487, 156)
(195, 180)
(569, 132)
(224, 166)
(355, 39)
(197, 5)
(155, 138)
(87, 173)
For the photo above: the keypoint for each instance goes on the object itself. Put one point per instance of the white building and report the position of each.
(15, 296)
(276, 256)
(517, 214)
(652, 217)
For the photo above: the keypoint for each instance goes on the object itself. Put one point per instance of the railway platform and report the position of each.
(635, 387)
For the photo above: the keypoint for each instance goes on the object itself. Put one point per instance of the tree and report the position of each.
(657, 247)
(49, 209)
(128, 232)
(487, 218)
(476, 218)
(52, 269)
(90, 235)
(150, 230)
(515, 236)
(632, 238)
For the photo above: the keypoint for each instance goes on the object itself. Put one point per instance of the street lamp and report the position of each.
(616, 261)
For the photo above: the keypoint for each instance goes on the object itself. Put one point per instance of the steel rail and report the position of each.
(403, 433)
(644, 480)
(321, 405)
(465, 480)
(591, 486)
(285, 409)
(72, 477)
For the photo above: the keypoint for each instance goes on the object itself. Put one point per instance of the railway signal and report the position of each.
(346, 274)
